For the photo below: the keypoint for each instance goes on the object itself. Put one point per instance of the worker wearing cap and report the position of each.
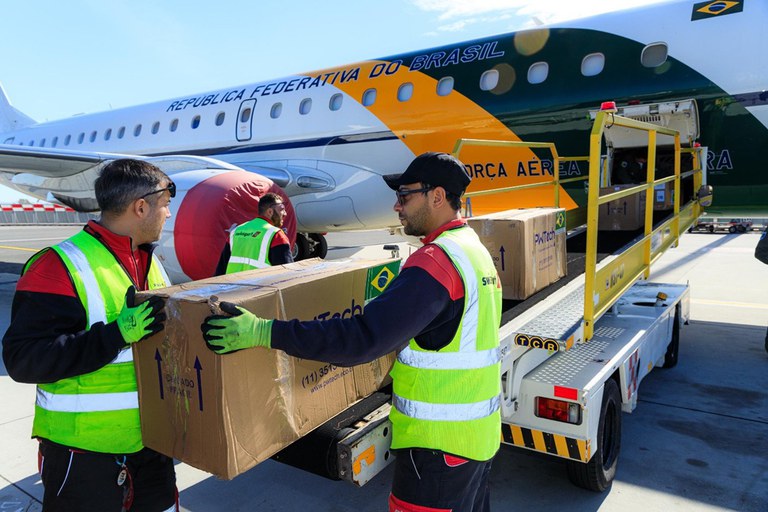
(443, 311)
(258, 243)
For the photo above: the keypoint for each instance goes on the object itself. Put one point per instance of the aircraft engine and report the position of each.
(208, 203)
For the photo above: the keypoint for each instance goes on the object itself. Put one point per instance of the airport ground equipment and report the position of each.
(575, 353)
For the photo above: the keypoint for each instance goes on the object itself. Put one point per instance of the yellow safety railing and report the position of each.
(605, 285)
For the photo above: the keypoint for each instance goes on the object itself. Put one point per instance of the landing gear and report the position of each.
(309, 245)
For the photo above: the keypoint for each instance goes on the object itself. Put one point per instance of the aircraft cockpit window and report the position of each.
(335, 102)
(654, 55)
(305, 106)
(220, 118)
(277, 109)
(108, 134)
(405, 91)
(538, 72)
(592, 64)
(81, 138)
(174, 125)
(445, 86)
(92, 138)
(67, 140)
(155, 128)
(369, 97)
(489, 80)
(121, 132)
(137, 130)
(54, 142)
(195, 122)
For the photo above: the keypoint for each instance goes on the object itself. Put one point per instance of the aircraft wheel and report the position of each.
(318, 245)
(673, 349)
(300, 249)
(598, 473)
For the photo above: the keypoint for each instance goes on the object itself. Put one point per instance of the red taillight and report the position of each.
(558, 410)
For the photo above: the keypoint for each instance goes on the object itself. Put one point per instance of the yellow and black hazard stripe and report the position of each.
(553, 444)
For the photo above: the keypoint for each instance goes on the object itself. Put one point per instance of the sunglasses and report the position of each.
(171, 188)
(403, 194)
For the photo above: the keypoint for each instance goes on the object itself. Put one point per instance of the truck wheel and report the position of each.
(597, 474)
(711, 229)
(673, 349)
(741, 228)
(732, 229)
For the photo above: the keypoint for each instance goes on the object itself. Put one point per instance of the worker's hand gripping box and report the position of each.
(527, 246)
(226, 413)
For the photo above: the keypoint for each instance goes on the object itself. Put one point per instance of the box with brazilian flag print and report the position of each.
(226, 413)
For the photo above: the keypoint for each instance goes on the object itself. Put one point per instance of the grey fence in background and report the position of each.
(42, 214)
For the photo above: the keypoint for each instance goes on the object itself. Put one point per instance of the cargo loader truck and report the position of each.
(573, 354)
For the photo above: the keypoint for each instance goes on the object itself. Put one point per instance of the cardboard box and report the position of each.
(625, 214)
(664, 196)
(527, 246)
(225, 414)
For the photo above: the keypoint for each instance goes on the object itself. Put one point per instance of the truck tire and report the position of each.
(711, 229)
(732, 229)
(673, 349)
(597, 474)
(741, 228)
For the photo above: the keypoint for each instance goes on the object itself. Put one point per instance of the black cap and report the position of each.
(436, 169)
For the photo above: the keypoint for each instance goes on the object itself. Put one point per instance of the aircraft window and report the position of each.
(277, 109)
(369, 97)
(592, 64)
(93, 136)
(305, 106)
(155, 128)
(195, 122)
(220, 118)
(137, 130)
(336, 101)
(445, 86)
(245, 115)
(654, 55)
(538, 72)
(31, 143)
(489, 80)
(80, 138)
(108, 134)
(174, 125)
(405, 91)
(54, 142)
(42, 143)
(121, 132)
(67, 140)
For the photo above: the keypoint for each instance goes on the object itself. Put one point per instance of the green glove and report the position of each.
(139, 322)
(243, 329)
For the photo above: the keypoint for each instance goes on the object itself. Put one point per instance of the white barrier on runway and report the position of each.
(42, 213)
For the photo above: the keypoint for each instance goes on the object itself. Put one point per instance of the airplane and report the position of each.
(325, 138)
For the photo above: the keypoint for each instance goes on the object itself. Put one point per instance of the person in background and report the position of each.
(444, 312)
(258, 243)
(73, 321)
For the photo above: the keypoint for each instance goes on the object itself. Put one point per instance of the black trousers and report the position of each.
(429, 480)
(80, 481)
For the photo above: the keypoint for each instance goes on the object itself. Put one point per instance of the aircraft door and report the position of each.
(244, 120)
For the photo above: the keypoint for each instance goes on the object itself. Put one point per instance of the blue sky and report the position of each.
(82, 56)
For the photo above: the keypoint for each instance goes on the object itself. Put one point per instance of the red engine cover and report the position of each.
(210, 208)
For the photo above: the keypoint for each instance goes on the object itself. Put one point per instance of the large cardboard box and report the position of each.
(664, 196)
(625, 214)
(225, 414)
(527, 246)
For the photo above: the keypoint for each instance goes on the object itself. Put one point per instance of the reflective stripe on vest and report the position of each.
(242, 253)
(68, 411)
(450, 399)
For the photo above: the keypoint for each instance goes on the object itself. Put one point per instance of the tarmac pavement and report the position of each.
(697, 441)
